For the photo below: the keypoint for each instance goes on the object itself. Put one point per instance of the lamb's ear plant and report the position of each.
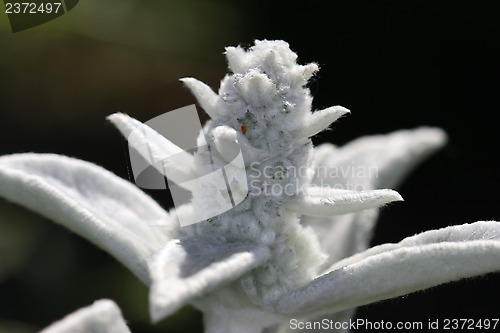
(277, 255)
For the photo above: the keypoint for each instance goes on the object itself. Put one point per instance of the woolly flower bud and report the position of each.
(259, 108)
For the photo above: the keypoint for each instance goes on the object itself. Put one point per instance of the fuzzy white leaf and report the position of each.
(103, 316)
(419, 262)
(191, 267)
(90, 201)
(321, 202)
(378, 160)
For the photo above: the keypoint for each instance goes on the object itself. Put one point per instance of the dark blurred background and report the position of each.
(394, 64)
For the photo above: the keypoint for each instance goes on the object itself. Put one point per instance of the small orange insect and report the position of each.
(244, 129)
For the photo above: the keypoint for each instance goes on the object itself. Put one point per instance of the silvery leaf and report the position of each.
(386, 271)
(90, 201)
(103, 316)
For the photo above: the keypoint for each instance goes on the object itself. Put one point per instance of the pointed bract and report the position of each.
(204, 95)
(319, 121)
(321, 202)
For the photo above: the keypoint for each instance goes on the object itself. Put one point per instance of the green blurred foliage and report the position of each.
(108, 56)
(20, 233)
